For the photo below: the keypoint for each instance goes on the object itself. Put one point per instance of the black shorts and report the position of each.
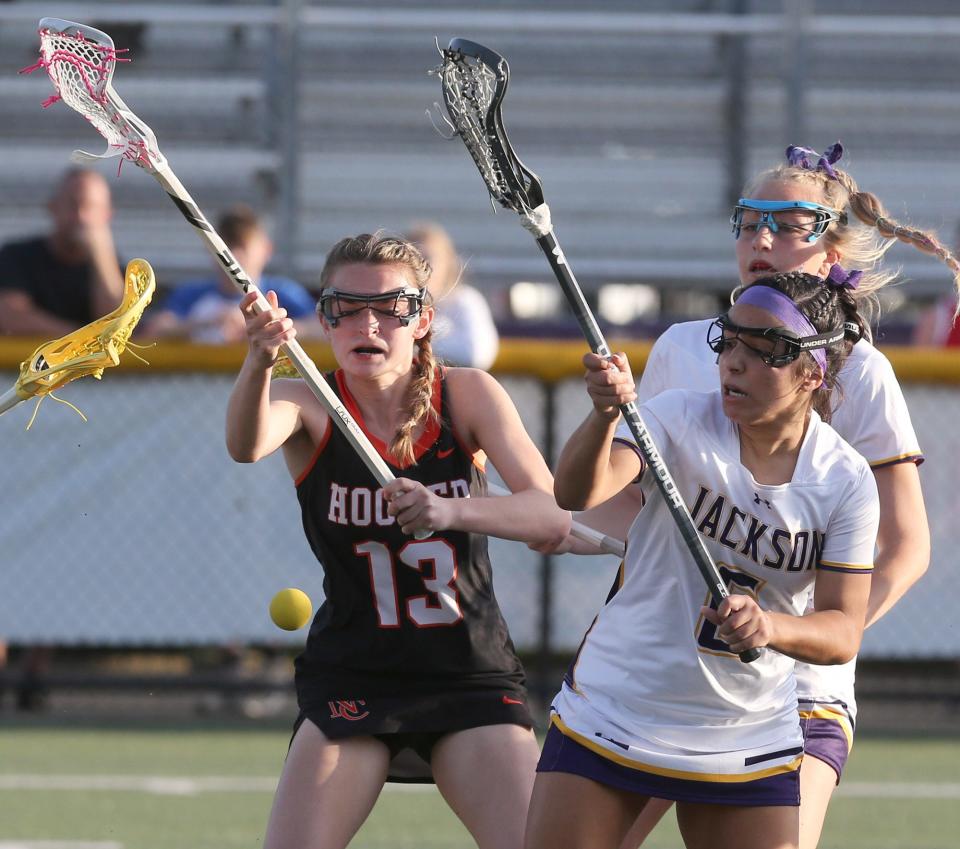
(410, 726)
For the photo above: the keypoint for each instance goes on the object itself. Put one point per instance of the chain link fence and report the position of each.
(136, 529)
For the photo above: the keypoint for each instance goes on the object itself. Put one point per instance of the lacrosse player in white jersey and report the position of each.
(810, 215)
(657, 703)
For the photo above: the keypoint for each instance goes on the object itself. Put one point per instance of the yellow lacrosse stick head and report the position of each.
(284, 367)
(93, 347)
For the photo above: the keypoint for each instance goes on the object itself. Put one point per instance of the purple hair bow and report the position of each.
(804, 157)
(843, 279)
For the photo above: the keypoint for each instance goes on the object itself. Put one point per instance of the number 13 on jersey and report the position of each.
(436, 562)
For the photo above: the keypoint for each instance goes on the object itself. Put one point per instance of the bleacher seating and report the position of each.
(626, 130)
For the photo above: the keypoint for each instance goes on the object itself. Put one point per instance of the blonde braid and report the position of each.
(861, 247)
(868, 208)
(420, 405)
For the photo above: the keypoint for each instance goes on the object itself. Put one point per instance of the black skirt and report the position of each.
(410, 725)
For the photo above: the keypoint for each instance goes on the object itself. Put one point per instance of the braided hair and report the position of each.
(381, 249)
(827, 307)
(868, 233)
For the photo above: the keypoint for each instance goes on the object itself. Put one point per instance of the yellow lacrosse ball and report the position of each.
(290, 609)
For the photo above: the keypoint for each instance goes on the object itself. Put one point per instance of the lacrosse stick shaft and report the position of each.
(304, 365)
(661, 474)
(9, 399)
(80, 61)
(606, 544)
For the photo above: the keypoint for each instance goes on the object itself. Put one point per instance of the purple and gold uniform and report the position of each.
(655, 702)
(409, 643)
(872, 416)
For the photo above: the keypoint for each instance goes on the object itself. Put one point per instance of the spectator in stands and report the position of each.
(465, 334)
(206, 310)
(52, 284)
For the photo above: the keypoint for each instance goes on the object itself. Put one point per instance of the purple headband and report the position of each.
(804, 157)
(842, 278)
(782, 307)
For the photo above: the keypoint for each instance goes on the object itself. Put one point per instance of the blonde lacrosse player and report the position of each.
(657, 703)
(408, 673)
(808, 214)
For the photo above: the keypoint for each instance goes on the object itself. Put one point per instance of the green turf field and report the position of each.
(211, 789)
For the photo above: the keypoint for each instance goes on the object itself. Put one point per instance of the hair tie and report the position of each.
(894, 228)
(810, 160)
(843, 279)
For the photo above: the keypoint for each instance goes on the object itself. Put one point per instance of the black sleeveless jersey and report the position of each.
(401, 615)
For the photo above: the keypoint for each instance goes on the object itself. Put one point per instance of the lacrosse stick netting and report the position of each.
(87, 351)
(474, 81)
(80, 62)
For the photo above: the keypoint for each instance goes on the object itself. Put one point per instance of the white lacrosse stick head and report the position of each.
(80, 62)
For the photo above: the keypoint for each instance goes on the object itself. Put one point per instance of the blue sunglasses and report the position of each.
(801, 217)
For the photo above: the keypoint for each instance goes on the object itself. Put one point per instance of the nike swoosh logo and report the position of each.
(444, 454)
(508, 701)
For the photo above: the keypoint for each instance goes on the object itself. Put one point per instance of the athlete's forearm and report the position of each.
(530, 516)
(823, 637)
(894, 573)
(903, 539)
(248, 413)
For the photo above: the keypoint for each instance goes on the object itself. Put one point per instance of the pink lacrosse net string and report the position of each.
(81, 71)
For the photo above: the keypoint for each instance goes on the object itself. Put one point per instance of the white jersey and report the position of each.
(652, 683)
(872, 416)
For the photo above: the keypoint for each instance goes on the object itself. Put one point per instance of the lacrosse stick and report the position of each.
(89, 350)
(600, 541)
(474, 80)
(80, 62)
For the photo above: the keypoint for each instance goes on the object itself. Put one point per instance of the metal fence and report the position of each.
(136, 529)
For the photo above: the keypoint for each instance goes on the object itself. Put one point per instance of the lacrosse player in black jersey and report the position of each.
(408, 673)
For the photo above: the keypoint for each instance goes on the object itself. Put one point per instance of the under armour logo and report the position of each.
(558, 253)
(757, 499)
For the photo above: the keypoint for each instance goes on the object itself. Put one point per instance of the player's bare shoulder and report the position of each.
(471, 387)
(475, 397)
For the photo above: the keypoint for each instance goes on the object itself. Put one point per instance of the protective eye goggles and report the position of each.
(798, 217)
(782, 346)
(402, 304)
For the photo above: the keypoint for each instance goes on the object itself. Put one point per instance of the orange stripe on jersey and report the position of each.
(316, 454)
(478, 457)
(427, 438)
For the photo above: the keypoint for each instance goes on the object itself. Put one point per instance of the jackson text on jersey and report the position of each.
(717, 518)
